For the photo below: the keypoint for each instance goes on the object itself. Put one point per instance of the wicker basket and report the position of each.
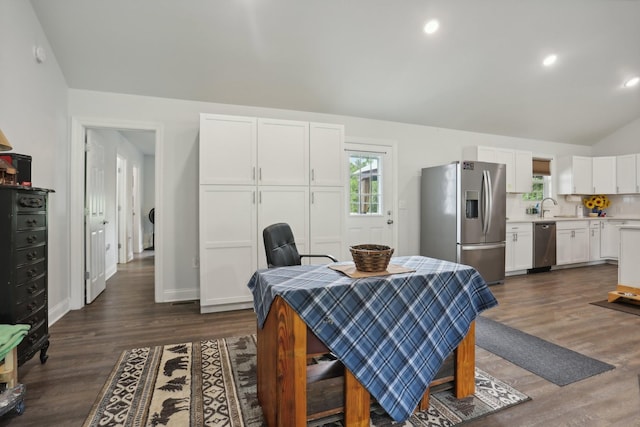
(371, 258)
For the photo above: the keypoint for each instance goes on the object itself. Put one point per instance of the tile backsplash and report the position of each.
(621, 204)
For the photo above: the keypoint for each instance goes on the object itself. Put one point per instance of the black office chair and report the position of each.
(281, 249)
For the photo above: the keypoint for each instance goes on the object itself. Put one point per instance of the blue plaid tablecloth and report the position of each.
(392, 332)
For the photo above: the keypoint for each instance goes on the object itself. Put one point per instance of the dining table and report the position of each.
(392, 333)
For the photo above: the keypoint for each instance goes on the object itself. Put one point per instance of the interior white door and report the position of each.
(370, 198)
(95, 249)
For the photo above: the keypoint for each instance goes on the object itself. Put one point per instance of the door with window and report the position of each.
(370, 208)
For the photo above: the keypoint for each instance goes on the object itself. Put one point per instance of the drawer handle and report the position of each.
(33, 338)
(31, 202)
(32, 222)
(32, 255)
(32, 238)
(31, 306)
(32, 289)
(32, 273)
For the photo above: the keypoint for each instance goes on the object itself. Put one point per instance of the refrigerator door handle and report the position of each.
(490, 201)
(486, 202)
(482, 247)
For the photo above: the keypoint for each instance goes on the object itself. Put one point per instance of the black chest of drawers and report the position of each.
(23, 275)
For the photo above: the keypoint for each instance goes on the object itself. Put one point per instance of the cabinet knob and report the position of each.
(32, 222)
(32, 238)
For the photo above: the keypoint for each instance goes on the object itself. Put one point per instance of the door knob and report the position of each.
(389, 221)
(105, 222)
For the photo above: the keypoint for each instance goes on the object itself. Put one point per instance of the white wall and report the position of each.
(33, 116)
(625, 140)
(148, 198)
(418, 146)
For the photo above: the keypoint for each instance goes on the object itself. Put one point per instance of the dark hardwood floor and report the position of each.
(554, 306)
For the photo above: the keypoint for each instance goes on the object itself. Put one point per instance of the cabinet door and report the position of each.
(288, 204)
(227, 149)
(626, 177)
(326, 150)
(637, 173)
(227, 243)
(523, 171)
(582, 175)
(508, 158)
(283, 152)
(610, 239)
(580, 245)
(594, 242)
(327, 224)
(523, 254)
(604, 175)
(564, 250)
(509, 255)
(628, 267)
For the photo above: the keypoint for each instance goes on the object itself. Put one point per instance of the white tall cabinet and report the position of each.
(255, 172)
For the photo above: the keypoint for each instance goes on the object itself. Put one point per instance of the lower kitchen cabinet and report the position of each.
(594, 240)
(572, 242)
(519, 250)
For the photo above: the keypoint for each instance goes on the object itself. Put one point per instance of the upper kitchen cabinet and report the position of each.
(519, 164)
(247, 151)
(575, 175)
(604, 175)
(228, 149)
(326, 148)
(627, 177)
(283, 152)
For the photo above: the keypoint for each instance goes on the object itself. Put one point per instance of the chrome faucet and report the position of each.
(542, 211)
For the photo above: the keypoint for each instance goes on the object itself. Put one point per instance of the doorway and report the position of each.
(78, 265)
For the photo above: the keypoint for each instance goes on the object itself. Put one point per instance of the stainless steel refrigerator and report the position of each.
(463, 215)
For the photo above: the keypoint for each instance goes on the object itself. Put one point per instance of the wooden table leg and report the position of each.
(356, 402)
(465, 359)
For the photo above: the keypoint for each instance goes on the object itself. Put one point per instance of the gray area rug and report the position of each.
(619, 306)
(213, 383)
(557, 364)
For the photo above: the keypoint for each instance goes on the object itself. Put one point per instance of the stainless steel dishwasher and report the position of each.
(544, 246)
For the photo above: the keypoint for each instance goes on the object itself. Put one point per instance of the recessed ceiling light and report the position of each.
(632, 82)
(550, 60)
(431, 26)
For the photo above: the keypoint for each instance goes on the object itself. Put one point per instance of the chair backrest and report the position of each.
(280, 246)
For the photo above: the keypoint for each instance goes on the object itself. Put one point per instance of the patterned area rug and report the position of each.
(213, 383)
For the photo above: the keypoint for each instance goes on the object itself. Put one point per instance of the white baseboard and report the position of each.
(180, 295)
(56, 313)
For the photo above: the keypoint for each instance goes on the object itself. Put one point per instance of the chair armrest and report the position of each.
(332, 258)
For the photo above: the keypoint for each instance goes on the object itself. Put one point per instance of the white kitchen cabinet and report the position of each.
(637, 173)
(519, 166)
(519, 246)
(627, 178)
(523, 171)
(594, 240)
(628, 265)
(610, 237)
(604, 175)
(288, 204)
(575, 175)
(572, 242)
(327, 221)
(228, 149)
(255, 172)
(228, 245)
(326, 154)
(283, 152)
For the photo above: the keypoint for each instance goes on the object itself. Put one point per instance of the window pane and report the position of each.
(365, 179)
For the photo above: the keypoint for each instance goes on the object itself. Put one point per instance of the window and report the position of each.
(365, 182)
(541, 181)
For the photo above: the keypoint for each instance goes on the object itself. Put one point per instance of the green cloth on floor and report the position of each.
(10, 336)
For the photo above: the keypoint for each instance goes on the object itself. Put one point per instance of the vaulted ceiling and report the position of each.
(481, 71)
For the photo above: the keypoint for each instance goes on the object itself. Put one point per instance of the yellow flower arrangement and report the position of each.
(596, 203)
